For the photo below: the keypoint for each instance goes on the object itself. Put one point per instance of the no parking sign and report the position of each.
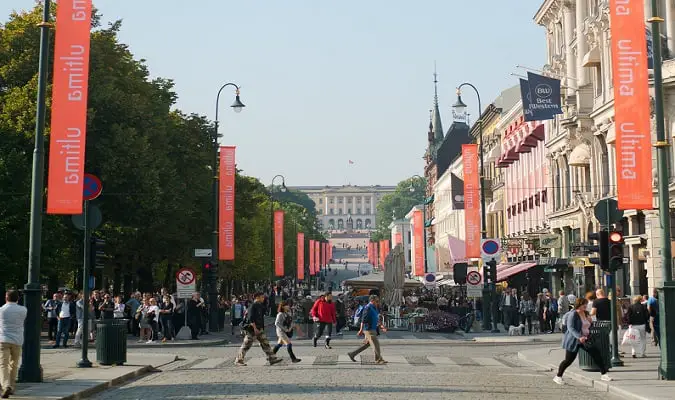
(490, 249)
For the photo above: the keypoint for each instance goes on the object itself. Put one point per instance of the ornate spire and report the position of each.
(436, 114)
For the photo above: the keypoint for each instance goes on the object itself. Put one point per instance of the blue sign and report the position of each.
(544, 97)
(92, 282)
(490, 247)
(91, 187)
(650, 49)
(526, 100)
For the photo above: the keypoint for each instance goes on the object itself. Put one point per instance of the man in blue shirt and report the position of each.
(653, 308)
(370, 321)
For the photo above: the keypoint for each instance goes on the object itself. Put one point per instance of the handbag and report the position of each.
(630, 337)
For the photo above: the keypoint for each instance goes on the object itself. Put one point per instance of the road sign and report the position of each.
(185, 283)
(490, 249)
(474, 283)
(203, 252)
(607, 212)
(91, 187)
(94, 215)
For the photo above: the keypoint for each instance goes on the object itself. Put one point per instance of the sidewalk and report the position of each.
(503, 337)
(637, 379)
(63, 380)
(212, 339)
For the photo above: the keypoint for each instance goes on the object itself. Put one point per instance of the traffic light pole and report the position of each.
(616, 360)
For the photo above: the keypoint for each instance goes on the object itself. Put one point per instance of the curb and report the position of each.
(584, 380)
(115, 381)
(196, 343)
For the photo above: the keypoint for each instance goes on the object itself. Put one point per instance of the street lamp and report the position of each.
(424, 220)
(31, 370)
(489, 289)
(282, 189)
(237, 106)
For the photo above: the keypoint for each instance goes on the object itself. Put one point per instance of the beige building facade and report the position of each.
(346, 208)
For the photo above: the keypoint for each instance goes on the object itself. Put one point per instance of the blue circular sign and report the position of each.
(91, 187)
(490, 247)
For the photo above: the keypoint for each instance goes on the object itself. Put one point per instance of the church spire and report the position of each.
(436, 114)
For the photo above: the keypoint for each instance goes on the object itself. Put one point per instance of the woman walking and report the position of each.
(284, 325)
(578, 329)
(638, 317)
(526, 311)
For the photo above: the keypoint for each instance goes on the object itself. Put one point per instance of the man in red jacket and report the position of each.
(323, 313)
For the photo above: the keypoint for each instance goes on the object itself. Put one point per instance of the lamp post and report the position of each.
(489, 289)
(424, 220)
(282, 189)
(237, 106)
(667, 291)
(31, 370)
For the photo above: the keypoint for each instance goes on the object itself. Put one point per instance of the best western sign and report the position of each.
(551, 241)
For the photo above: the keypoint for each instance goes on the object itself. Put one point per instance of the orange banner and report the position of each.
(398, 238)
(67, 137)
(228, 172)
(312, 271)
(471, 200)
(631, 105)
(324, 251)
(301, 256)
(330, 251)
(279, 243)
(418, 233)
(317, 256)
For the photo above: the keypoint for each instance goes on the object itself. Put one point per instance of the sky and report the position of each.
(326, 82)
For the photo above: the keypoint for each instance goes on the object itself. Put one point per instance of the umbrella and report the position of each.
(398, 276)
(388, 278)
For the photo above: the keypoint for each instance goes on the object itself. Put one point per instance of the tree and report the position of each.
(396, 205)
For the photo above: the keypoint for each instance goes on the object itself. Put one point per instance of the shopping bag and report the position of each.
(630, 337)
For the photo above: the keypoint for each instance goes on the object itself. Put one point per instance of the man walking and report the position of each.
(323, 313)
(254, 327)
(12, 319)
(370, 322)
(65, 311)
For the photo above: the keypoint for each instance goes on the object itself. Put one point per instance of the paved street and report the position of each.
(455, 370)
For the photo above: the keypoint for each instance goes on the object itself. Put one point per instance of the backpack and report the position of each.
(554, 305)
(361, 315)
(245, 323)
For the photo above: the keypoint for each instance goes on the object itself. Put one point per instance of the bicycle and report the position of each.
(466, 322)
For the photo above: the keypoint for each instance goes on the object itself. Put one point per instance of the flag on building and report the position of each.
(351, 162)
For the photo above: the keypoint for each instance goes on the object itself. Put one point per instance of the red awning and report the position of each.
(508, 272)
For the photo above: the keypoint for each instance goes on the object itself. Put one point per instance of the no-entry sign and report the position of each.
(474, 280)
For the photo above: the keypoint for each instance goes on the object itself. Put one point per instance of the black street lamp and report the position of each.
(489, 289)
(424, 220)
(31, 370)
(237, 106)
(282, 189)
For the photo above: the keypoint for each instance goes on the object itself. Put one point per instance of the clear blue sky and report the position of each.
(325, 82)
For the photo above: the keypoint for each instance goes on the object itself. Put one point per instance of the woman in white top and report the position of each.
(152, 315)
(284, 326)
(118, 311)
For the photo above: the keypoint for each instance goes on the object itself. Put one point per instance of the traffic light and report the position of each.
(210, 270)
(602, 248)
(615, 251)
(97, 253)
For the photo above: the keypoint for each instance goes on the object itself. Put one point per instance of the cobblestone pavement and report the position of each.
(458, 371)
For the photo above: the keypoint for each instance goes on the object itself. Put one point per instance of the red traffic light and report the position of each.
(615, 237)
(207, 266)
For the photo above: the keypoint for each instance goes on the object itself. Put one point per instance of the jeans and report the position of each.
(526, 320)
(320, 326)
(63, 331)
(167, 328)
(53, 328)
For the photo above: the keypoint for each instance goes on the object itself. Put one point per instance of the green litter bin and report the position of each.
(111, 341)
(599, 337)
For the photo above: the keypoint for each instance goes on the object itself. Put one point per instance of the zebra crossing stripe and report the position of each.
(488, 362)
(445, 361)
(208, 363)
(363, 359)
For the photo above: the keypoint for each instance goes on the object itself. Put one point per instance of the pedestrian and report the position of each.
(194, 315)
(254, 327)
(165, 317)
(52, 318)
(369, 324)
(577, 335)
(12, 320)
(638, 318)
(237, 312)
(79, 313)
(284, 326)
(324, 315)
(66, 311)
(340, 314)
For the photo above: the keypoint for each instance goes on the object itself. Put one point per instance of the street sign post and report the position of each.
(474, 284)
(490, 249)
(607, 212)
(185, 283)
(206, 253)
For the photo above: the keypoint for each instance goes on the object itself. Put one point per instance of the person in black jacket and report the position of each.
(194, 315)
(254, 326)
(637, 320)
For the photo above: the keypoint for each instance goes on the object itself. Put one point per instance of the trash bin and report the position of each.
(111, 341)
(599, 337)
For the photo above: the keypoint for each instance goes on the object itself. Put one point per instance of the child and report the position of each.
(284, 325)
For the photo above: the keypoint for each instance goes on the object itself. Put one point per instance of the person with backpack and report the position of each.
(368, 325)
(324, 315)
(284, 326)
(550, 312)
(254, 328)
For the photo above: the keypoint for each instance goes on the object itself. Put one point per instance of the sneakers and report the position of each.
(296, 360)
(327, 346)
(239, 363)
(559, 380)
(275, 361)
(605, 377)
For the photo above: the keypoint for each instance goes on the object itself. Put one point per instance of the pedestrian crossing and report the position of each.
(396, 335)
(362, 359)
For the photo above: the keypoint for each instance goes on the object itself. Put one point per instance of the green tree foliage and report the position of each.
(397, 204)
(154, 164)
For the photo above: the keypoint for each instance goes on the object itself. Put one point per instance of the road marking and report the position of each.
(488, 362)
(395, 359)
(257, 362)
(344, 359)
(465, 361)
(441, 360)
(208, 363)
(417, 360)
